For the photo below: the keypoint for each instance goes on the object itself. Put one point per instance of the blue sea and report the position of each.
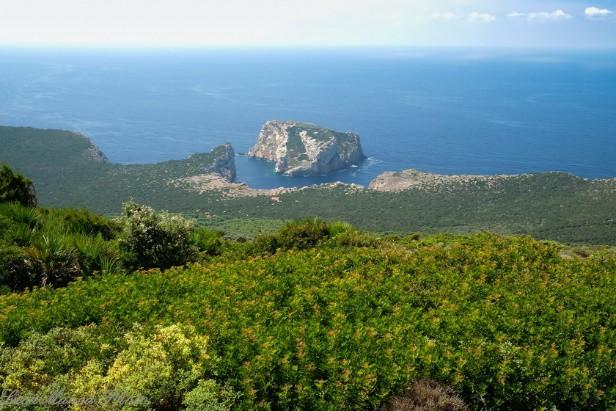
(438, 110)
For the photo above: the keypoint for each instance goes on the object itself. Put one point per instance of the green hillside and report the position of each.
(65, 173)
(548, 206)
(324, 317)
(149, 311)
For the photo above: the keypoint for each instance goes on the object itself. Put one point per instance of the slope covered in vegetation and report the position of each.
(314, 316)
(67, 172)
(320, 316)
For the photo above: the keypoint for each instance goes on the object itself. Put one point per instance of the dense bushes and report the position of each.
(16, 188)
(505, 322)
(298, 235)
(315, 316)
(305, 234)
(15, 268)
(156, 239)
(144, 370)
(41, 247)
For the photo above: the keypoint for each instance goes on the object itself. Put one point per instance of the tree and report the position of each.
(16, 188)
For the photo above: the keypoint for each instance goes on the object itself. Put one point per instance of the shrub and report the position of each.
(95, 254)
(41, 358)
(54, 263)
(301, 235)
(15, 268)
(157, 369)
(85, 222)
(209, 396)
(297, 235)
(208, 241)
(16, 188)
(156, 239)
(426, 395)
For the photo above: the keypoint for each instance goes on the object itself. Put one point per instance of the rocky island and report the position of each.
(302, 149)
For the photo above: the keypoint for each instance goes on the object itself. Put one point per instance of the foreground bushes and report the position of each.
(144, 370)
(505, 322)
(40, 247)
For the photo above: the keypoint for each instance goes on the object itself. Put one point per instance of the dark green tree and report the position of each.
(16, 188)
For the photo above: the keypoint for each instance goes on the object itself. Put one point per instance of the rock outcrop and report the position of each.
(93, 152)
(413, 179)
(222, 162)
(301, 149)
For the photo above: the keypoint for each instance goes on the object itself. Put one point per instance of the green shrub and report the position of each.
(40, 359)
(151, 370)
(55, 263)
(16, 270)
(156, 239)
(296, 235)
(95, 254)
(304, 234)
(16, 188)
(207, 241)
(85, 222)
(157, 368)
(209, 396)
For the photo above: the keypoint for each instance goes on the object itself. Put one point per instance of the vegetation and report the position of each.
(316, 315)
(16, 188)
(548, 206)
(322, 316)
(52, 247)
(156, 240)
(41, 246)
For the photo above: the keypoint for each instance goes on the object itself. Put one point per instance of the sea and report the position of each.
(447, 110)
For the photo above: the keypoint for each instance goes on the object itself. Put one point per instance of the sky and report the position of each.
(581, 24)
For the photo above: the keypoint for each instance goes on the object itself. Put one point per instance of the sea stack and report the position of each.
(302, 149)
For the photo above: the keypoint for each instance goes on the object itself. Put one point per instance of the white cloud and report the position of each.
(595, 12)
(555, 15)
(549, 16)
(478, 17)
(474, 17)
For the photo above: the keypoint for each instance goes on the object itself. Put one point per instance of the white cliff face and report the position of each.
(272, 143)
(305, 149)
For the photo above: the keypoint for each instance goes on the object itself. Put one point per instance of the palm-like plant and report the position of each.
(56, 263)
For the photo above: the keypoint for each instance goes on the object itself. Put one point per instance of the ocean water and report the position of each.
(446, 111)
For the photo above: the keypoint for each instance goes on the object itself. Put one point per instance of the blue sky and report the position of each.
(496, 23)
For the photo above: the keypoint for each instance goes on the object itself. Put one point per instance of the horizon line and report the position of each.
(207, 46)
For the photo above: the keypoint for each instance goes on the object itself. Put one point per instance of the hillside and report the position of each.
(66, 173)
(149, 311)
(551, 205)
(329, 318)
